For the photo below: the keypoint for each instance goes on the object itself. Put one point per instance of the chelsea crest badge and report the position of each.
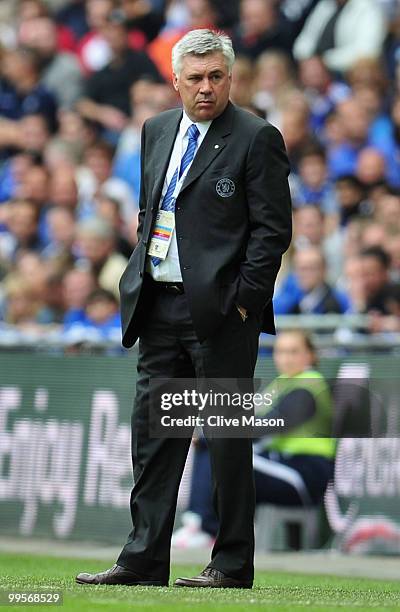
(225, 187)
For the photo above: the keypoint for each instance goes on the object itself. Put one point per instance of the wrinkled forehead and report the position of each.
(204, 63)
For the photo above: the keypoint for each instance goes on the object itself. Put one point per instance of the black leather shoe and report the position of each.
(211, 577)
(117, 575)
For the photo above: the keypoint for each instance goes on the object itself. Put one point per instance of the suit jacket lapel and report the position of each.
(163, 153)
(211, 146)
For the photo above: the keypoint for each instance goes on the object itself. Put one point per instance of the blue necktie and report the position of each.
(168, 202)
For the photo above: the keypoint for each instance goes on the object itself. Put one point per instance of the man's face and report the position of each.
(203, 84)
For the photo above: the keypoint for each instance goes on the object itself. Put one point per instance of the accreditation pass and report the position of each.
(162, 234)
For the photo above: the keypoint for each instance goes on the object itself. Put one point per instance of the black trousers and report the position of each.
(169, 348)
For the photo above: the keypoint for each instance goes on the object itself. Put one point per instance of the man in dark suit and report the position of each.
(214, 221)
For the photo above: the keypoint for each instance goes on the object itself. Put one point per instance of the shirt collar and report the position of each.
(202, 126)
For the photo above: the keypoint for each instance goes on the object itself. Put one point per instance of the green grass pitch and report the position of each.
(275, 592)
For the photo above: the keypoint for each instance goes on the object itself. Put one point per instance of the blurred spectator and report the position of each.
(20, 307)
(312, 186)
(57, 68)
(100, 320)
(22, 94)
(73, 16)
(102, 310)
(197, 14)
(371, 168)
(389, 143)
(96, 242)
(147, 99)
(109, 209)
(306, 290)
(23, 227)
(78, 284)
(242, 81)
(323, 92)
(309, 230)
(29, 11)
(141, 16)
(107, 91)
(61, 230)
(273, 80)
(379, 292)
(93, 50)
(388, 207)
(342, 31)
(260, 29)
(95, 176)
(355, 124)
(350, 193)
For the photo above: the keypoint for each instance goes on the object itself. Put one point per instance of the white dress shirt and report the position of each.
(169, 270)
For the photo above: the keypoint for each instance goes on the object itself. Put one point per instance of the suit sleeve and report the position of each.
(270, 218)
(142, 195)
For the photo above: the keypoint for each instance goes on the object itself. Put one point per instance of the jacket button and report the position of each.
(178, 208)
(140, 273)
(186, 267)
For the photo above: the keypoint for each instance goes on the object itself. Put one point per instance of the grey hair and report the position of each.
(202, 42)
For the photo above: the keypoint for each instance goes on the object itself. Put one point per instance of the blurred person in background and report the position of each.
(351, 282)
(93, 49)
(311, 185)
(96, 245)
(72, 15)
(341, 32)
(142, 16)
(22, 224)
(379, 291)
(61, 231)
(322, 91)
(389, 143)
(58, 68)
(197, 14)
(77, 285)
(259, 29)
(309, 225)
(393, 249)
(100, 319)
(147, 99)
(22, 94)
(95, 175)
(20, 308)
(306, 290)
(387, 211)
(371, 168)
(294, 123)
(354, 119)
(109, 209)
(28, 11)
(35, 133)
(106, 99)
(74, 135)
(242, 82)
(290, 469)
(273, 79)
(63, 189)
(35, 187)
(351, 198)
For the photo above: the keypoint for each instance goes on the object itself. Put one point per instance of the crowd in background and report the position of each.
(79, 77)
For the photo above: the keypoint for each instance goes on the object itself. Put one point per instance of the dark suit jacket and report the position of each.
(232, 220)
